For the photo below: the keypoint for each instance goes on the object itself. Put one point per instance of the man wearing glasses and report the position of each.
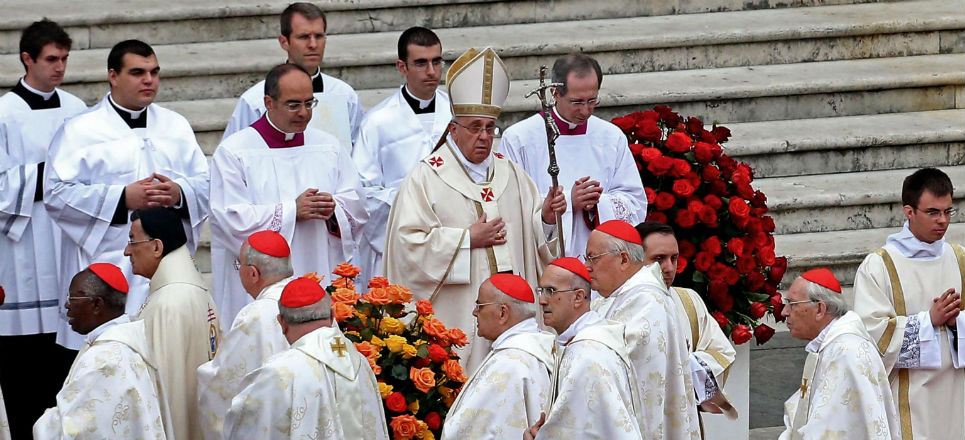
(597, 171)
(280, 175)
(465, 213)
(844, 387)
(908, 294)
(396, 134)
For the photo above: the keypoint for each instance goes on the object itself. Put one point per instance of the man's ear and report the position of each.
(283, 42)
(909, 211)
(158, 248)
(399, 64)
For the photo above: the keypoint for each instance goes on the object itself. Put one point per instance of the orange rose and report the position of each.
(346, 270)
(435, 328)
(367, 349)
(423, 378)
(424, 307)
(398, 294)
(377, 296)
(346, 296)
(314, 277)
(342, 311)
(453, 370)
(457, 337)
(344, 283)
(404, 427)
(448, 395)
(378, 282)
(377, 370)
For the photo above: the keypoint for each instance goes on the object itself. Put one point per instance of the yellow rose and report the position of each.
(409, 352)
(448, 395)
(385, 389)
(395, 343)
(414, 406)
(426, 435)
(353, 332)
(391, 326)
(423, 430)
(376, 341)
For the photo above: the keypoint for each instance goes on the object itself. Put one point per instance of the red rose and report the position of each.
(763, 334)
(767, 224)
(712, 245)
(703, 261)
(718, 188)
(713, 201)
(664, 201)
(741, 334)
(3, 296)
(721, 133)
(718, 150)
(770, 289)
(735, 246)
(683, 188)
(660, 166)
(743, 174)
(650, 154)
(686, 248)
(422, 362)
(759, 239)
(678, 142)
(718, 271)
(686, 219)
(625, 122)
(738, 207)
(731, 276)
(727, 165)
(758, 310)
(694, 125)
(759, 199)
(695, 205)
(636, 148)
(655, 216)
(681, 264)
(396, 402)
(721, 319)
(754, 226)
(766, 257)
(776, 273)
(744, 190)
(437, 353)
(720, 296)
(668, 116)
(433, 421)
(708, 137)
(746, 264)
(649, 114)
(778, 307)
(703, 152)
(647, 130)
(710, 173)
(694, 179)
(651, 195)
(680, 168)
(708, 216)
(755, 281)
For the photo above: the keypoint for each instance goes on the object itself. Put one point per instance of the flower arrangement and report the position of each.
(410, 351)
(723, 230)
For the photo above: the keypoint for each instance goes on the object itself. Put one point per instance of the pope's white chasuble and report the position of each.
(255, 178)
(597, 149)
(844, 392)
(255, 335)
(29, 242)
(321, 388)
(427, 247)
(91, 159)
(391, 141)
(509, 390)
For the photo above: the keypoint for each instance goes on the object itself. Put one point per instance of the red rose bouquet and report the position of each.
(725, 235)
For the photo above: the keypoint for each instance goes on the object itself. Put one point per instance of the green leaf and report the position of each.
(366, 333)
(757, 297)
(400, 372)
(699, 277)
(423, 350)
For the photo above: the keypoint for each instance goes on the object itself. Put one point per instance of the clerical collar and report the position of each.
(97, 332)
(479, 172)
(317, 85)
(911, 247)
(815, 345)
(587, 319)
(528, 325)
(567, 128)
(274, 137)
(133, 118)
(418, 105)
(34, 98)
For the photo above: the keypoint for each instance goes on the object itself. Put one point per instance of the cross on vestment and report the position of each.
(804, 387)
(339, 346)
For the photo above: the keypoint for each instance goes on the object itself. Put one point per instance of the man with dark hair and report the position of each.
(302, 35)
(316, 205)
(179, 315)
(592, 154)
(396, 134)
(30, 114)
(908, 294)
(126, 153)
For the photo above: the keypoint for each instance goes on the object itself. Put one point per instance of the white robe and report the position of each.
(509, 390)
(337, 95)
(309, 391)
(602, 153)
(4, 422)
(112, 391)
(930, 398)
(391, 142)
(845, 389)
(254, 188)
(91, 159)
(29, 242)
(183, 330)
(658, 350)
(706, 342)
(255, 335)
(427, 247)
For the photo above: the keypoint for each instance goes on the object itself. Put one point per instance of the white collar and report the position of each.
(568, 123)
(134, 113)
(423, 103)
(273, 286)
(911, 247)
(587, 319)
(525, 326)
(45, 95)
(97, 332)
(479, 172)
(318, 72)
(815, 343)
(288, 136)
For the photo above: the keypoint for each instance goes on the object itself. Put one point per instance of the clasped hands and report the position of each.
(151, 192)
(485, 232)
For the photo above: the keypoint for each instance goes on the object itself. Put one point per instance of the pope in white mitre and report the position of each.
(465, 213)
(512, 386)
(844, 391)
(321, 388)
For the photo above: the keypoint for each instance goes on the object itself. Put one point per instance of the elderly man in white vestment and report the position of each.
(844, 388)
(711, 354)
(396, 134)
(595, 394)
(321, 388)
(255, 335)
(512, 386)
(179, 315)
(126, 153)
(30, 114)
(636, 295)
(281, 175)
(303, 28)
(908, 293)
(465, 213)
(591, 152)
(112, 390)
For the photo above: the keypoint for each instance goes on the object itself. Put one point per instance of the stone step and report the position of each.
(100, 24)
(698, 41)
(851, 143)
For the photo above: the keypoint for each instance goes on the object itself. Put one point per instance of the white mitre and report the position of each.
(478, 84)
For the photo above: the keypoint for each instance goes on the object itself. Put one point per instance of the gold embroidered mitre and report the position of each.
(478, 84)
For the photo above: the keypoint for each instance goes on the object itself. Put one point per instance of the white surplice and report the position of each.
(338, 94)
(509, 390)
(310, 391)
(254, 187)
(112, 391)
(91, 159)
(392, 140)
(710, 351)
(658, 350)
(30, 242)
(255, 335)
(183, 330)
(844, 392)
(601, 153)
(427, 247)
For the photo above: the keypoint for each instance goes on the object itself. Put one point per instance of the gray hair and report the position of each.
(312, 312)
(637, 255)
(834, 300)
(270, 267)
(521, 309)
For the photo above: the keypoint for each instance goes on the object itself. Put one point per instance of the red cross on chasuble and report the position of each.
(487, 194)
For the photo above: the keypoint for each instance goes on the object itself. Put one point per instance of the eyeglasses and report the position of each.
(237, 264)
(548, 292)
(936, 213)
(788, 303)
(296, 106)
(592, 102)
(133, 242)
(477, 129)
(479, 305)
(422, 64)
(591, 259)
(77, 298)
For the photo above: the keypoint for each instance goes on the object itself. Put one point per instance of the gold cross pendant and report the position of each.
(804, 387)
(339, 347)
